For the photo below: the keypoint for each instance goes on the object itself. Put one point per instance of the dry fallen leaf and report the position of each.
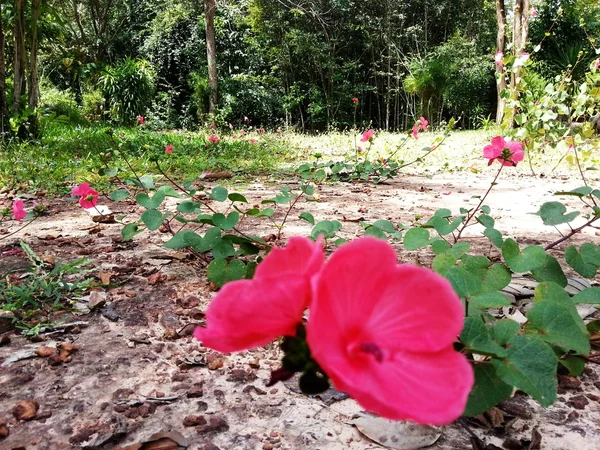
(396, 435)
(105, 277)
(215, 175)
(155, 278)
(25, 409)
(45, 351)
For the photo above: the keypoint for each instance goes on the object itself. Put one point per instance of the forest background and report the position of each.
(279, 63)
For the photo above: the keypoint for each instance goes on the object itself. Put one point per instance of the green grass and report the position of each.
(69, 154)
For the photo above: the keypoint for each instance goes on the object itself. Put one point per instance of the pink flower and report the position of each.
(415, 132)
(168, 149)
(260, 130)
(88, 196)
(534, 12)
(230, 126)
(213, 139)
(253, 141)
(355, 100)
(360, 149)
(384, 333)
(140, 119)
(280, 291)
(368, 136)
(499, 59)
(18, 210)
(508, 153)
(597, 64)
(420, 125)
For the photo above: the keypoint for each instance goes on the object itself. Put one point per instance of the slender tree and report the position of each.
(3, 110)
(500, 46)
(20, 55)
(211, 53)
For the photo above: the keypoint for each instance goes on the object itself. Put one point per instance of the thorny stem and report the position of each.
(19, 229)
(474, 211)
(571, 233)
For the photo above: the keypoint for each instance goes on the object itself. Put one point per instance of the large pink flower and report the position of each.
(508, 153)
(367, 135)
(18, 210)
(213, 139)
(252, 313)
(384, 334)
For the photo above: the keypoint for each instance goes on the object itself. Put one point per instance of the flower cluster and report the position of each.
(508, 153)
(382, 332)
(213, 139)
(169, 149)
(88, 197)
(420, 125)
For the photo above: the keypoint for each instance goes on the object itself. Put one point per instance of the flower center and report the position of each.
(372, 349)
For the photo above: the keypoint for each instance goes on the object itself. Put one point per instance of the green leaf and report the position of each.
(385, 225)
(585, 261)
(375, 232)
(460, 249)
(327, 228)
(307, 189)
(486, 221)
(529, 365)
(496, 278)
(267, 212)
(222, 249)
(440, 246)
(220, 271)
(308, 217)
(218, 194)
(531, 258)
(153, 219)
(553, 213)
(235, 197)
(443, 212)
(504, 330)
(129, 231)
(589, 295)
(416, 238)
(579, 192)
(464, 282)
(150, 203)
(476, 337)
(550, 271)
(188, 206)
(169, 191)
(147, 182)
(487, 392)
(495, 236)
(443, 227)
(443, 262)
(119, 195)
(226, 223)
(486, 209)
(489, 300)
(179, 240)
(574, 364)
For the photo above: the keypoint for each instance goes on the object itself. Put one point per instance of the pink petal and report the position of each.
(301, 256)
(516, 149)
(415, 132)
(89, 200)
(82, 189)
(252, 313)
(498, 143)
(491, 152)
(428, 388)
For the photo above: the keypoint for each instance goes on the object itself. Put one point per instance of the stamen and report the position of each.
(372, 349)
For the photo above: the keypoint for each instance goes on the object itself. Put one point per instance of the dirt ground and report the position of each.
(137, 370)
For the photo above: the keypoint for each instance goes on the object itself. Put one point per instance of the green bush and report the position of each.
(59, 103)
(129, 88)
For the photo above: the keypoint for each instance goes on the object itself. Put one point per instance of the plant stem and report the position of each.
(571, 233)
(19, 229)
(474, 211)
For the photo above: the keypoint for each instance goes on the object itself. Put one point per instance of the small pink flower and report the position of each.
(235, 136)
(88, 196)
(508, 153)
(18, 210)
(279, 130)
(168, 149)
(597, 64)
(212, 125)
(253, 141)
(368, 136)
(261, 130)
(372, 331)
(213, 139)
(360, 149)
(499, 59)
(246, 120)
(355, 100)
(534, 12)
(415, 132)
(140, 119)
(422, 123)
(280, 290)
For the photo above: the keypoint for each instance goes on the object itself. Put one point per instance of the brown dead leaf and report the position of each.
(215, 174)
(65, 349)
(45, 351)
(3, 430)
(105, 277)
(161, 441)
(155, 278)
(49, 260)
(25, 409)
(104, 218)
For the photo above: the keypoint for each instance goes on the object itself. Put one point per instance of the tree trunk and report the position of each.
(20, 55)
(3, 109)
(211, 53)
(34, 77)
(520, 32)
(500, 44)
